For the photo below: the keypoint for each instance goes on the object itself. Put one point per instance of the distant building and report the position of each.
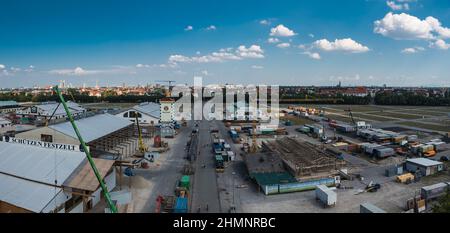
(9, 106)
(356, 91)
(45, 110)
(148, 113)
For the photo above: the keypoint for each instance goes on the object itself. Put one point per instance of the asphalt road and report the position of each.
(205, 193)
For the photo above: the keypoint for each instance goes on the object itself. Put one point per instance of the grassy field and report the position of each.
(370, 116)
(397, 115)
(441, 128)
(422, 112)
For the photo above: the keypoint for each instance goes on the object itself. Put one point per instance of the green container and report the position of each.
(185, 182)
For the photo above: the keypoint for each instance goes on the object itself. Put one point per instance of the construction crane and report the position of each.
(168, 94)
(349, 110)
(142, 147)
(108, 199)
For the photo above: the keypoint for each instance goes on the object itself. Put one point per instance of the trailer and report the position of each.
(369, 208)
(325, 195)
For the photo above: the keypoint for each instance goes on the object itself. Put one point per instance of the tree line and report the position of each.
(81, 98)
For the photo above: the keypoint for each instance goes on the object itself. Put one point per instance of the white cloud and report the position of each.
(283, 45)
(2, 66)
(242, 52)
(443, 32)
(189, 28)
(15, 69)
(440, 44)
(315, 56)
(29, 69)
(412, 50)
(143, 66)
(253, 51)
(211, 28)
(281, 31)
(257, 67)
(273, 40)
(78, 71)
(407, 27)
(311, 35)
(265, 22)
(397, 6)
(346, 45)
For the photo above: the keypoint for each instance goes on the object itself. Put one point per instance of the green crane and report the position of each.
(109, 201)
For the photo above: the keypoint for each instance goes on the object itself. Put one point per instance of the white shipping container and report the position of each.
(326, 195)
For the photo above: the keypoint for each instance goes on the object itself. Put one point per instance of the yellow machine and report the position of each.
(405, 178)
(142, 147)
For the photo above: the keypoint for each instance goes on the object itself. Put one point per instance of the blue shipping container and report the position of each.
(181, 205)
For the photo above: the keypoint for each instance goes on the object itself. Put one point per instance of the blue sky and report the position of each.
(357, 42)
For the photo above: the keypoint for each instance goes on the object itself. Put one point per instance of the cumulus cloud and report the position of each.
(440, 44)
(412, 50)
(2, 66)
(273, 40)
(315, 56)
(407, 27)
(188, 28)
(283, 45)
(211, 28)
(253, 51)
(397, 6)
(345, 45)
(281, 31)
(257, 67)
(242, 52)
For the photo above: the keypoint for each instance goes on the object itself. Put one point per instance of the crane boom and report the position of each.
(109, 201)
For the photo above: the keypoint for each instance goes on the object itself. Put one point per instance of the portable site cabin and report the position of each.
(425, 166)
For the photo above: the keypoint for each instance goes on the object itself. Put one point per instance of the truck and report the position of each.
(325, 195)
(220, 167)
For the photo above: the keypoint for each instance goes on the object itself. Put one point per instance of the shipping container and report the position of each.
(325, 195)
(433, 191)
(181, 205)
(368, 208)
(383, 152)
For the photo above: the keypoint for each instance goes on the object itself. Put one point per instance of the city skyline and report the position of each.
(367, 42)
